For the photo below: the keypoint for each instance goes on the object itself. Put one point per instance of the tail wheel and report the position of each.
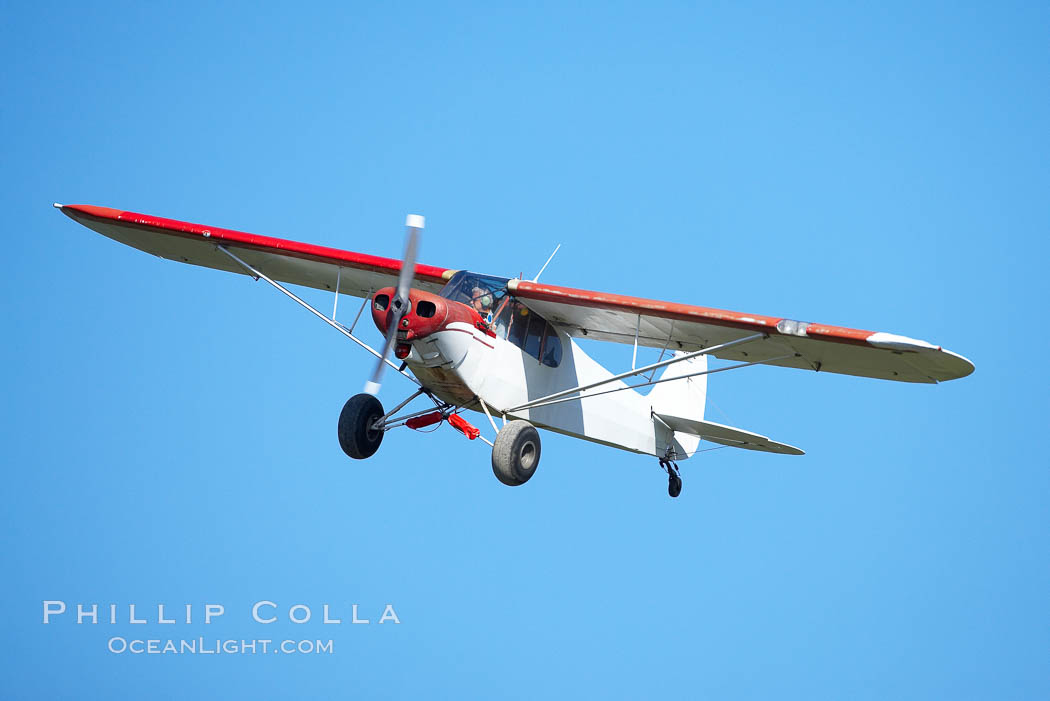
(516, 453)
(674, 485)
(357, 437)
(674, 477)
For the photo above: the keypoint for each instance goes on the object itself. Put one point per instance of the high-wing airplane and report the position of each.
(505, 347)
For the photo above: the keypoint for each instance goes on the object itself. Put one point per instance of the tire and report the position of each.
(674, 486)
(516, 453)
(356, 438)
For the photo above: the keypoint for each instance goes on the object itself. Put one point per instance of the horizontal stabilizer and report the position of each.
(727, 435)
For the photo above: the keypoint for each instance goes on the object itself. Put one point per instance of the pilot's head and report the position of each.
(481, 298)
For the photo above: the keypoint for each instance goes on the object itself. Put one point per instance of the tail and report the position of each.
(686, 397)
(678, 415)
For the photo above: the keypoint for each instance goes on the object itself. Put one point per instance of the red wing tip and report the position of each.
(90, 209)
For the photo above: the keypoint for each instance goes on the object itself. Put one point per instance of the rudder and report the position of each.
(686, 397)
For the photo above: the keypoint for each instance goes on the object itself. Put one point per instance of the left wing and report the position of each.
(323, 268)
(610, 317)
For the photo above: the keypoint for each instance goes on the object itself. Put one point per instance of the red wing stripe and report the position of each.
(682, 312)
(838, 333)
(528, 290)
(242, 239)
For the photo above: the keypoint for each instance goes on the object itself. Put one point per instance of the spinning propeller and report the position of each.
(399, 305)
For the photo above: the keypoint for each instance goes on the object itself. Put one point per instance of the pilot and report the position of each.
(481, 299)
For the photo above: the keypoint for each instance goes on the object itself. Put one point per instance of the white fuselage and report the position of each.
(461, 363)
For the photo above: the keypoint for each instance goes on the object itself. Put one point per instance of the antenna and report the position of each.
(546, 264)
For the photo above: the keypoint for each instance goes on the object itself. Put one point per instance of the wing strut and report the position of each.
(331, 322)
(654, 367)
(637, 328)
(660, 381)
(338, 279)
(670, 335)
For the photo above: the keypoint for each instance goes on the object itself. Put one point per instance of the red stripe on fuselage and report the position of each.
(471, 334)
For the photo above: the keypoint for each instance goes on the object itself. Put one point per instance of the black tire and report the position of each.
(516, 453)
(356, 437)
(674, 485)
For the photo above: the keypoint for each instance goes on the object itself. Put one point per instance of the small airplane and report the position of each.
(505, 347)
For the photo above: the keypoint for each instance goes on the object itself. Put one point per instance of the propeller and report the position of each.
(399, 304)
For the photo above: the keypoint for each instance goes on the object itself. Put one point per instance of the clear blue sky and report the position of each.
(169, 431)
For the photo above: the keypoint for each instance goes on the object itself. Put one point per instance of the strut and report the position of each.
(674, 476)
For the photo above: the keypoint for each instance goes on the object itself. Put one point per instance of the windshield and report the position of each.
(509, 318)
(485, 293)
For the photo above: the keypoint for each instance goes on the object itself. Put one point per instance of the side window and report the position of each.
(550, 354)
(535, 336)
(518, 325)
(529, 332)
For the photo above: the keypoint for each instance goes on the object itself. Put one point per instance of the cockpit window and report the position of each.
(528, 331)
(509, 318)
(484, 293)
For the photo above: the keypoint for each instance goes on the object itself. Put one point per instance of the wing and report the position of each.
(356, 274)
(609, 317)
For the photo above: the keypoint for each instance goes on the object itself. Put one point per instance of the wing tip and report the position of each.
(944, 366)
(961, 366)
(91, 210)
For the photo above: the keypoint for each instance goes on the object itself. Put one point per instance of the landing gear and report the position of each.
(674, 477)
(358, 436)
(674, 484)
(516, 453)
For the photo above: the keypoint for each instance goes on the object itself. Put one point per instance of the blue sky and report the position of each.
(169, 431)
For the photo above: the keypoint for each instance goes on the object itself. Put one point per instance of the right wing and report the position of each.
(323, 268)
(822, 347)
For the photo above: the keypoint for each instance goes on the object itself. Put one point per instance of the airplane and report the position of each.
(507, 348)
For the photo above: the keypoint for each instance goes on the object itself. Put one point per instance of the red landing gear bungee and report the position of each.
(362, 423)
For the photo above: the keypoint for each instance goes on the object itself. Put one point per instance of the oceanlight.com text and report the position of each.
(214, 646)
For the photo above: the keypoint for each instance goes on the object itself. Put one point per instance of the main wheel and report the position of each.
(357, 438)
(516, 453)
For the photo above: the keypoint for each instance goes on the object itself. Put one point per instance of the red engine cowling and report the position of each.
(427, 314)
